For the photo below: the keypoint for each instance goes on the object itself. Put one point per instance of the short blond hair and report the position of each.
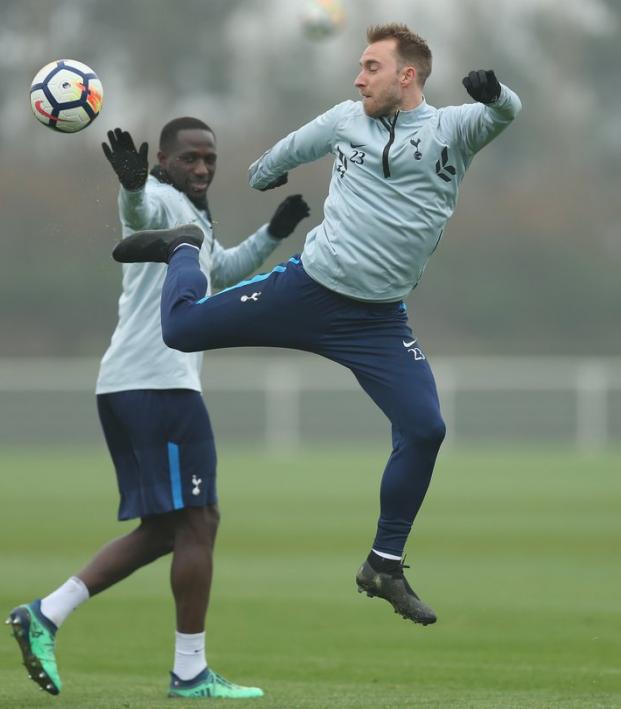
(411, 47)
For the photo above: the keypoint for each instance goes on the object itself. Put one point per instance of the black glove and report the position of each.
(287, 216)
(282, 180)
(482, 85)
(130, 165)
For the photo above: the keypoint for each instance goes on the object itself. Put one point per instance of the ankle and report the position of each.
(190, 657)
(381, 564)
(178, 243)
(64, 600)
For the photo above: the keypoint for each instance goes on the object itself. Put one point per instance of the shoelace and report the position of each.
(398, 572)
(220, 680)
(49, 656)
(403, 565)
(48, 645)
(47, 649)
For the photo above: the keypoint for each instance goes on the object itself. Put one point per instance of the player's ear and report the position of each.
(408, 76)
(161, 158)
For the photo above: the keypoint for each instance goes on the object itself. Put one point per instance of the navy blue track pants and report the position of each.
(287, 308)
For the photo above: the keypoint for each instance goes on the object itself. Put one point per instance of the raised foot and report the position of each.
(156, 245)
(394, 588)
(35, 637)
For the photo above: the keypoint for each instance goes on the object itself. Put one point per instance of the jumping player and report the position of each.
(395, 181)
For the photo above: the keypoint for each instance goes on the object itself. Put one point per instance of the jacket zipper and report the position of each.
(390, 127)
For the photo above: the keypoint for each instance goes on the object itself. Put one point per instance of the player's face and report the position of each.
(378, 80)
(191, 163)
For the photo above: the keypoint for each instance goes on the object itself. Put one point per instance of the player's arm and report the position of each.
(495, 108)
(229, 266)
(310, 142)
(138, 209)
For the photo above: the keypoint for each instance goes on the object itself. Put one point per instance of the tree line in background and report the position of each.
(529, 264)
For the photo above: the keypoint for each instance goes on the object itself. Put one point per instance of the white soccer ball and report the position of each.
(322, 18)
(66, 95)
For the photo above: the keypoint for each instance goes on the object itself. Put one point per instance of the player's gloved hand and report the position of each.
(130, 165)
(482, 85)
(282, 180)
(287, 216)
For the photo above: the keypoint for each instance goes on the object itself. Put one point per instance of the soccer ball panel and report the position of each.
(85, 69)
(42, 73)
(95, 95)
(72, 120)
(66, 86)
(41, 107)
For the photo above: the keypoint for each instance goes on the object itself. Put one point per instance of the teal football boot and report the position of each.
(209, 684)
(36, 636)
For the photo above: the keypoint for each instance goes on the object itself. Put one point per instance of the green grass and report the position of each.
(517, 552)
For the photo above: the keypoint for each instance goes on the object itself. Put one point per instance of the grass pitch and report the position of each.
(517, 552)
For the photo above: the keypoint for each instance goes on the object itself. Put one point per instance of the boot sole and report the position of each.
(404, 614)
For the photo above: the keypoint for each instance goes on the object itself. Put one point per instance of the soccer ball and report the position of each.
(66, 95)
(322, 18)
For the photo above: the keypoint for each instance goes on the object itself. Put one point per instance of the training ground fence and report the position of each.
(285, 400)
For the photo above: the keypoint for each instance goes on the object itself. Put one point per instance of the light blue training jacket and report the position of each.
(137, 357)
(394, 185)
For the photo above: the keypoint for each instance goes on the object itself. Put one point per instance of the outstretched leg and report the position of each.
(154, 537)
(275, 309)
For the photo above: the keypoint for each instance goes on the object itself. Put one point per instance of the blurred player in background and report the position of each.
(153, 415)
(395, 181)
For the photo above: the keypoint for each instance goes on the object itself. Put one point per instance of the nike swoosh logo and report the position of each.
(409, 344)
(357, 145)
(40, 110)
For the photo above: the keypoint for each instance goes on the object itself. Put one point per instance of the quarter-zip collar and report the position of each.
(406, 119)
(389, 124)
(409, 118)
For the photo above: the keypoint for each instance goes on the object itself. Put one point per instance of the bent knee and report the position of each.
(429, 432)
(438, 430)
(200, 523)
(213, 513)
(160, 533)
